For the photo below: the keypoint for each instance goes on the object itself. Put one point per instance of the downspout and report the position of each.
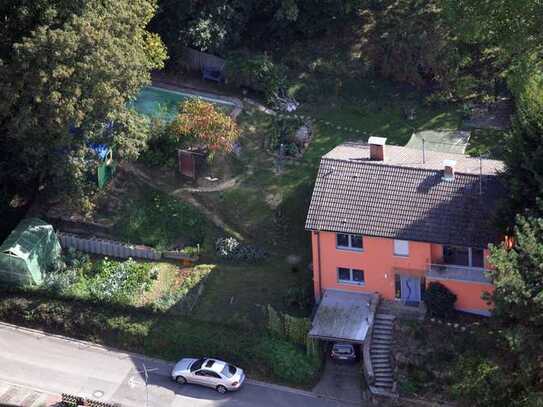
(319, 261)
(325, 177)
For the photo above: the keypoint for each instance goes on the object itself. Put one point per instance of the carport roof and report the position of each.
(344, 316)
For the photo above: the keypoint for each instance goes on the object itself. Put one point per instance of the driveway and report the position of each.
(341, 382)
(51, 365)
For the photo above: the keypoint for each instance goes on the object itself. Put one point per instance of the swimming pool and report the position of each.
(160, 102)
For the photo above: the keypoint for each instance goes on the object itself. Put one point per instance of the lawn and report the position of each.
(240, 293)
(151, 217)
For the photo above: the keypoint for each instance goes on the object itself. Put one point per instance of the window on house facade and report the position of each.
(346, 241)
(350, 276)
(463, 256)
(401, 248)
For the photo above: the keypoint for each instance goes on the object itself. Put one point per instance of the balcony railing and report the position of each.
(459, 273)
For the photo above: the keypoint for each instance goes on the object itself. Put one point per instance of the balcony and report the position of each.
(458, 273)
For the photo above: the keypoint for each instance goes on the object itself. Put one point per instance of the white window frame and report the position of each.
(401, 244)
(351, 280)
(350, 246)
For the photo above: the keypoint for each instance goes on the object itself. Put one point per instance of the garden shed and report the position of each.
(30, 249)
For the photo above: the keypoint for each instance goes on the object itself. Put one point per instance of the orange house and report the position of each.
(389, 220)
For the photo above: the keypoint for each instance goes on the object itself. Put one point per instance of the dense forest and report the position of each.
(67, 74)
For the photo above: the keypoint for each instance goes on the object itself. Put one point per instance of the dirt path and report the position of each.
(186, 195)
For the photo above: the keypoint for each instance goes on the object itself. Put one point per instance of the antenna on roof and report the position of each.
(423, 152)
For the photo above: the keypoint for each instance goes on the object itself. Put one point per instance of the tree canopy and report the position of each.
(68, 70)
(524, 155)
(518, 274)
(201, 124)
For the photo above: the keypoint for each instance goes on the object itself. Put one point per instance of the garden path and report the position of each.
(186, 195)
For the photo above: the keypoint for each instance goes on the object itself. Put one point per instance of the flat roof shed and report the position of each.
(344, 316)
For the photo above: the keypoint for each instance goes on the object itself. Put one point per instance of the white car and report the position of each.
(213, 373)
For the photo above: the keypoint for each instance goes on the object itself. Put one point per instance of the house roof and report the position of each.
(405, 196)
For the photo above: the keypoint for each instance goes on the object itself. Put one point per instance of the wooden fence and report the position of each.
(195, 60)
(121, 250)
(107, 247)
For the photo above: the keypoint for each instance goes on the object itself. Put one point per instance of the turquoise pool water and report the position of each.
(160, 102)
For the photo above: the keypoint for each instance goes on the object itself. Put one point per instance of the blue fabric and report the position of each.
(101, 150)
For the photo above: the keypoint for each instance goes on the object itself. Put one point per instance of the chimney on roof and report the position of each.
(377, 148)
(448, 170)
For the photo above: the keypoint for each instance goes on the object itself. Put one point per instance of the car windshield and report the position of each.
(229, 370)
(196, 365)
(343, 349)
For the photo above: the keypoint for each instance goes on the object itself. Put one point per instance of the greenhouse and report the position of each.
(28, 252)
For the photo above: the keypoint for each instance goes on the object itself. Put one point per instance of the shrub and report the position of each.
(480, 382)
(257, 72)
(439, 300)
(301, 297)
(226, 247)
(287, 361)
(283, 132)
(231, 249)
(161, 147)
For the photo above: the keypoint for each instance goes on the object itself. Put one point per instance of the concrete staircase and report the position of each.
(380, 352)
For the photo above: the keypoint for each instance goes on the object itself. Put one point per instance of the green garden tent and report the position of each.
(30, 249)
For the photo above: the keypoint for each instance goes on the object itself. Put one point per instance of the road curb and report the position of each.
(282, 388)
(28, 387)
(299, 392)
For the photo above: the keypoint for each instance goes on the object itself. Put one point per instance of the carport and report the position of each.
(344, 316)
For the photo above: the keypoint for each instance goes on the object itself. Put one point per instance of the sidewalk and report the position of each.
(15, 395)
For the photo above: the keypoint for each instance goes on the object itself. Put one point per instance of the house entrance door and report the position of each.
(410, 290)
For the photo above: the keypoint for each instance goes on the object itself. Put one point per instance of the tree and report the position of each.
(518, 306)
(518, 275)
(68, 70)
(200, 123)
(524, 147)
(408, 41)
(220, 26)
(513, 26)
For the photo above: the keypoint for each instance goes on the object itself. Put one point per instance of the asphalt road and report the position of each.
(56, 365)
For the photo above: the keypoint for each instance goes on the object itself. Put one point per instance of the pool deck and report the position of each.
(171, 85)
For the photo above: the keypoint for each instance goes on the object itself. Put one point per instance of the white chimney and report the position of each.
(377, 148)
(448, 170)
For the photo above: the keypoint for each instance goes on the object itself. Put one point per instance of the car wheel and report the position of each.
(221, 389)
(180, 380)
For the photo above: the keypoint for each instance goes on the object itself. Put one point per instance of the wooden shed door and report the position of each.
(187, 164)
